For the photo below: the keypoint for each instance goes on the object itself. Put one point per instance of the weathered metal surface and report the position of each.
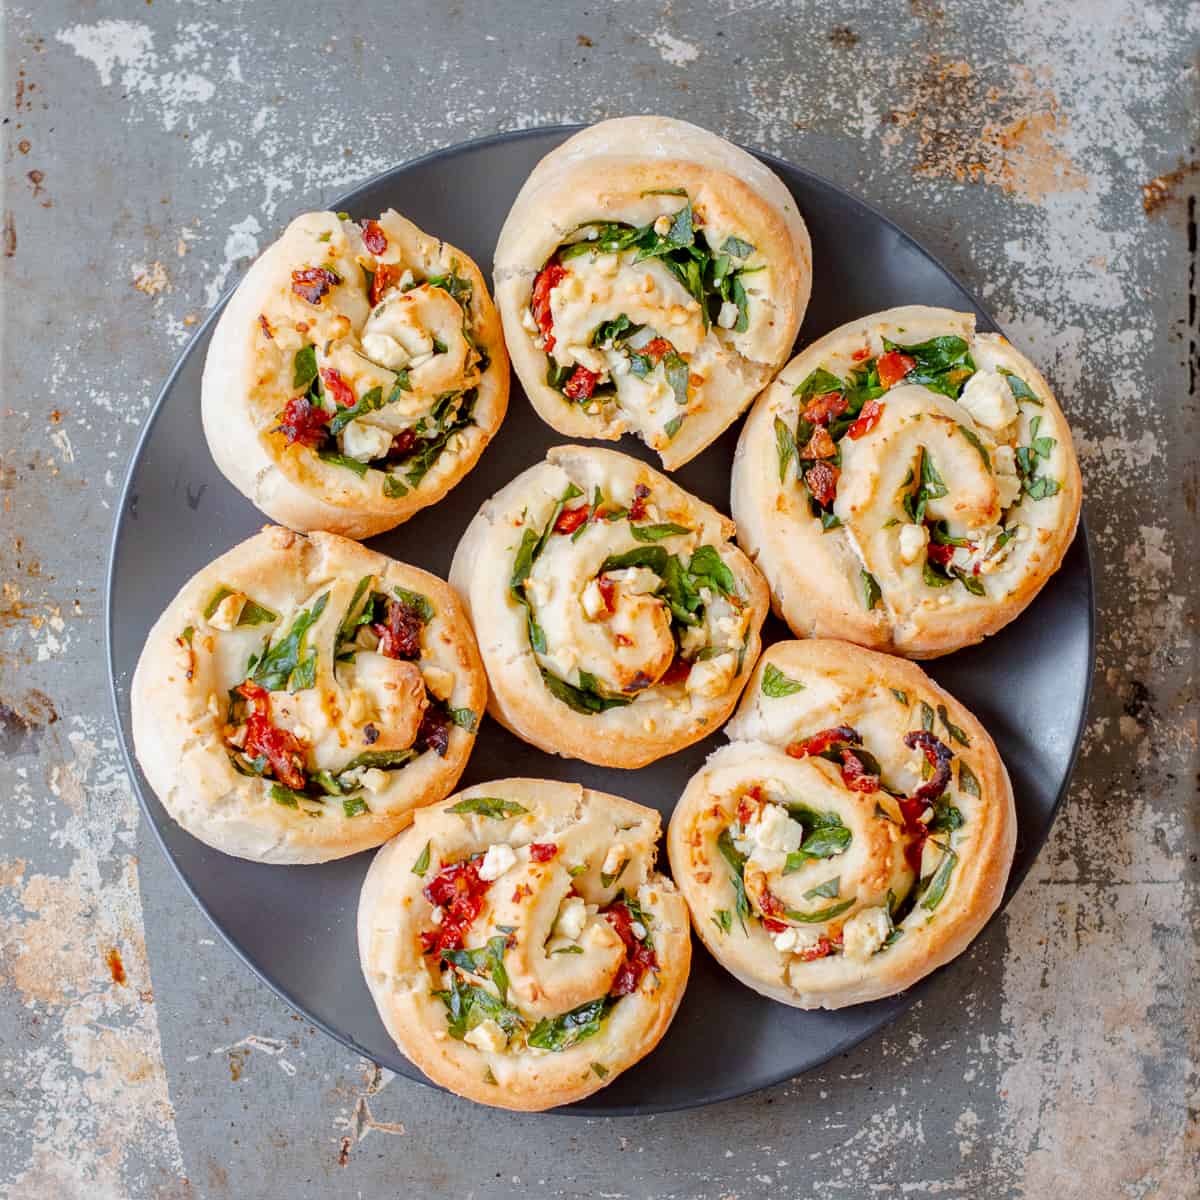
(150, 150)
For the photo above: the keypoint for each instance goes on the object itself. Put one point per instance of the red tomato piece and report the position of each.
(550, 276)
(893, 366)
(823, 408)
(855, 775)
(939, 554)
(822, 480)
(374, 238)
(542, 851)
(822, 949)
(820, 742)
(312, 283)
(459, 892)
(387, 275)
(820, 445)
(867, 420)
(608, 592)
(859, 355)
(581, 385)
(338, 388)
(281, 748)
(303, 422)
(570, 519)
(637, 510)
(677, 672)
(639, 958)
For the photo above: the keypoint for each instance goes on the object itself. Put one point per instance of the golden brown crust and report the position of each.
(579, 829)
(180, 700)
(816, 575)
(249, 373)
(663, 718)
(880, 697)
(625, 170)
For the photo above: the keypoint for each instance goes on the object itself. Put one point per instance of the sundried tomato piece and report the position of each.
(678, 671)
(820, 445)
(570, 519)
(856, 776)
(312, 283)
(637, 510)
(338, 388)
(303, 422)
(893, 366)
(867, 420)
(400, 634)
(402, 444)
(541, 852)
(280, 747)
(822, 480)
(639, 958)
(459, 892)
(374, 238)
(820, 742)
(386, 276)
(581, 385)
(550, 276)
(939, 554)
(608, 592)
(265, 326)
(822, 949)
(859, 355)
(434, 733)
(657, 348)
(823, 408)
(938, 755)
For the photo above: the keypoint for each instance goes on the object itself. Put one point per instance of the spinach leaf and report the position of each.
(946, 817)
(872, 593)
(818, 383)
(418, 602)
(926, 717)
(393, 489)
(582, 699)
(609, 880)
(422, 863)
(777, 685)
(955, 732)
(736, 247)
(354, 805)
(671, 428)
(342, 460)
(487, 960)
(825, 842)
(618, 329)
(1020, 389)
(285, 664)
(488, 806)
(652, 557)
(967, 782)
(371, 402)
(722, 918)
(381, 760)
(736, 862)
(708, 568)
(304, 367)
(936, 888)
(824, 914)
(571, 1028)
(251, 614)
(468, 1005)
(901, 696)
(785, 446)
(656, 533)
(828, 890)
(464, 718)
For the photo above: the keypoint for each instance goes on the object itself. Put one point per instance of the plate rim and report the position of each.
(905, 999)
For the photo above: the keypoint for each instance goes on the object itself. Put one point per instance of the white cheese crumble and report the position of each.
(438, 915)
(572, 915)
(793, 941)
(374, 780)
(384, 350)
(727, 317)
(662, 225)
(775, 830)
(365, 442)
(592, 601)
(637, 581)
(989, 399)
(613, 860)
(498, 859)
(226, 614)
(912, 541)
(487, 1035)
(865, 932)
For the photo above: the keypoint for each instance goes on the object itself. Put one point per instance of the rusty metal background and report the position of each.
(1047, 152)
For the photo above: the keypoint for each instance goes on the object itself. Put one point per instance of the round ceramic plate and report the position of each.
(294, 926)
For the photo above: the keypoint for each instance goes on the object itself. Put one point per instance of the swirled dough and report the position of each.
(651, 278)
(301, 696)
(906, 483)
(356, 375)
(519, 945)
(616, 620)
(855, 835)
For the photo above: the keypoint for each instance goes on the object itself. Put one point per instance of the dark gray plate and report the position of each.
(294, 926)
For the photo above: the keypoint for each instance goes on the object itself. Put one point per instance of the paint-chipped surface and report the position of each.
(1046, 152)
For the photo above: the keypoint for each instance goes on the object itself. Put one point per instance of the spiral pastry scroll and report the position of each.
(906, 483)
(519, 945)
(855, 835)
